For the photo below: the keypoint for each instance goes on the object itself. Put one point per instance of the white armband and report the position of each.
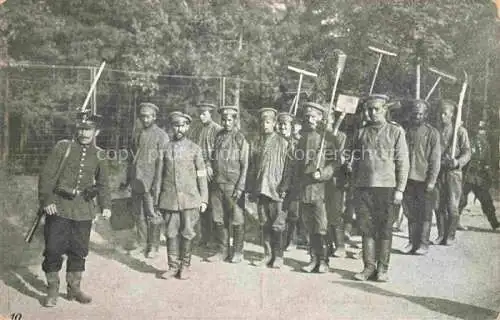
(201, 173)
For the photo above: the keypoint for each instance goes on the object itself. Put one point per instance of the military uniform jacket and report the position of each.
(183, 183)
(269, 168)
(424, 147)
(84, 168)
(462, 150)
(311, 190)
(338, 143)
(146, 149)
(476, 171)
(204, 136)
(229, 160)
(380, 157)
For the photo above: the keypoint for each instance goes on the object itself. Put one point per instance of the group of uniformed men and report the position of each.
(208, 170)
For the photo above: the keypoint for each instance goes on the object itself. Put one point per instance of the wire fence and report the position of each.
(39, 104)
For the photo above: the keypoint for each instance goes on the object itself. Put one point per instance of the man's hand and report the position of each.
(106, 213)
(50, 209)
(429, 187)
(317, 174)
(398, 197)
(452, 163)
(203, 207)
(210, 174)
(237, 194)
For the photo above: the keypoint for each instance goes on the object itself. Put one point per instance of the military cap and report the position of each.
(312, 107)
(482, 124)
(420, 101)
(377, 98)
(228, 110)
(177, 116)
(150, 106)
(89, 121)
(285, 116)
(267, 112)
(206, 106)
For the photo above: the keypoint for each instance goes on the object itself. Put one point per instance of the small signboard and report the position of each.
(346, 104)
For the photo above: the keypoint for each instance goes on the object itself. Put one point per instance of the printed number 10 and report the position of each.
(16, 316)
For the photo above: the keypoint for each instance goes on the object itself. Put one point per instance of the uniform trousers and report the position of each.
(450, 191)
(418, 203)
(181, 222)
(271, 214)
(335, 207)
(224, 207)
(315, 218)
(376, 211)
(144, 215)
(65, 236)
(483, 195)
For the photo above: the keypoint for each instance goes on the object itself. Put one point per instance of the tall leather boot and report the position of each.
(185, 259)
(368, 259)
(452, 229)
(383, 261)
(314, 262)
(266, 243)
(322, 253)
(73, 280)
(277, 249)
(339, 242)
(441, 226)
(52, 289)
(424, 240)
(172, 258)
(221, 243)
(238, 233)
(291, 226)
(410, 246)
(492, 218)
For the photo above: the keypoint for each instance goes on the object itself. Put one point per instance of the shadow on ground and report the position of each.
(439, 305)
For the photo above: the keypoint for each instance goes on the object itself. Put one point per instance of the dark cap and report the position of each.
(149, 106)
(87, 121)
(267, 112)
(312, 107)
(417, 102)
(226, 110)
(177, 116)
(380, 99)
(206, 106)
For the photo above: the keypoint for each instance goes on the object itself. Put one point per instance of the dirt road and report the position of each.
(460, 282)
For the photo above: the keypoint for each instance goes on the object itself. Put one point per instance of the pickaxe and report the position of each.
(458, 117)
(293, 108)
(381, 54)
(440, 76)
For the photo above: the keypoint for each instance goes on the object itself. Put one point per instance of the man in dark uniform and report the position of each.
(310, 182)
(74, 174)
(183, 194)
(203, 134)
(478, 175)
(268, 182)
(380, 171)
(229, 164)
(450, 175)
(335, 201)
(146, 146)
(425, 160)
(290, 203)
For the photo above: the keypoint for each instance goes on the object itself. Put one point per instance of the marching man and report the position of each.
(73, 175)
(268, 183)
(183, 194)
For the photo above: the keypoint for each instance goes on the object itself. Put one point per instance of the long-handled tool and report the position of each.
(458, 116)
(293, 108)
(342, 57)
(441, 75)
(381, 54)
